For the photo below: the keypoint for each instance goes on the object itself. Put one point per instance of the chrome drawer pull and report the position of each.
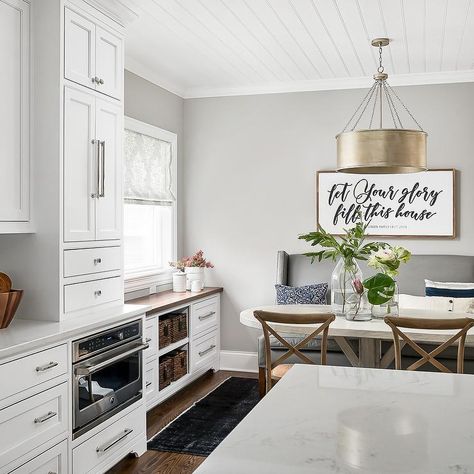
(205, 316)
(98, 293)
(49, 365)
(97, 261)
(209, 349)
(148, 339)
(148, 384)
(42, 419)
(110, 444)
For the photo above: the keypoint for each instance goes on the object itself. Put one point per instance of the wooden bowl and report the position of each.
(9, 302)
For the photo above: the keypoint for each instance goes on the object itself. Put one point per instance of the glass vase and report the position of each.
(347, 296)
(390, 308)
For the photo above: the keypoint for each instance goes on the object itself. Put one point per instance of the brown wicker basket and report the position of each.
(164, 332)
(179, 329)
(166, 372)
(180, 364)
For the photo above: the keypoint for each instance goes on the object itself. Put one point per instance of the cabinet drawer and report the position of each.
(111, 442)
(92, 293)
(54, 460)
(29, 371)
(151, 380)
(89, 261)
(151, 337)
(31, 422)
(205, 350)
(204, 315)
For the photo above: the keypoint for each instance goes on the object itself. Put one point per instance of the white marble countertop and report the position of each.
(323, 419)
(25, 334)
(375, 328)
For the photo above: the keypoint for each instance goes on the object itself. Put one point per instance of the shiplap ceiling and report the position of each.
(201, 48)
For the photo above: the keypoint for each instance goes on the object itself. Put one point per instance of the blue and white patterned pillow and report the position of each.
(309, 294)
(449, 289)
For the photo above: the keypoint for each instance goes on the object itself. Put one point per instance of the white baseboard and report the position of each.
(237, 360)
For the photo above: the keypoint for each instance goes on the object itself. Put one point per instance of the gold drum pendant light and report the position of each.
(381, 150)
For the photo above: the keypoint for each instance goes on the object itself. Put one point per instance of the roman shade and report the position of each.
(147, 173)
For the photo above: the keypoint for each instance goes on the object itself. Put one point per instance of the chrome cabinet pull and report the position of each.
(101, 192)
(148, 384)
(101, 81)
(98, 293)
(97, 151)
(205, 316)
(97, 261)
(49, 365)
(105, 447)
(42, 419)
(94, 79)
(148, 339)
(209, 349)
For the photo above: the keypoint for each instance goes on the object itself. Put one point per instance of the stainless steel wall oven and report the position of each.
(107, 374)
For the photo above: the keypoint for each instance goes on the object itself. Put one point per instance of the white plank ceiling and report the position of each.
(201, 48)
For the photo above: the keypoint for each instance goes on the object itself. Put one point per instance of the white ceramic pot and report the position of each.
(179, 282)
(192, 274)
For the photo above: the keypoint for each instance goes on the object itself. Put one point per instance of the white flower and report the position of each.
(385, 255)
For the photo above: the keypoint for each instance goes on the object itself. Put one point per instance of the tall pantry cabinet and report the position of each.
(72, 265)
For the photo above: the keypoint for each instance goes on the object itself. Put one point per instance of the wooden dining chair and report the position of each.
(274, 370)
(462, 324)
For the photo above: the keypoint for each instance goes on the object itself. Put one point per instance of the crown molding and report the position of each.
(146, 73)
(123, 12)
(412, 79)
(443, 77)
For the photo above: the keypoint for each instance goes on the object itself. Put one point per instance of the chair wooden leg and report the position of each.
(261, 381)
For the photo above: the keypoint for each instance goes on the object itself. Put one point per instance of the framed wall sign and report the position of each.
(397, 205)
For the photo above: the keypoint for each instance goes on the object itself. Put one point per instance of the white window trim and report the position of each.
(148, 279)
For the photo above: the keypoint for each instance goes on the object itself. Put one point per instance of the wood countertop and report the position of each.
(168, 299)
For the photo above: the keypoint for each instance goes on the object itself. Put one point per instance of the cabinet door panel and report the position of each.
(80, 166)
(14, 116)
(109, 63)
(109, 127)
(79, 49)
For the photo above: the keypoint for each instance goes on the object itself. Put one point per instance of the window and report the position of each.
(150, 204)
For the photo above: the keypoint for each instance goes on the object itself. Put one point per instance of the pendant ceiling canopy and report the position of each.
(381, 150)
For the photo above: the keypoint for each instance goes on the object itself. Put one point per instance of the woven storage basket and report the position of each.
(166, 372)
(165, 329)
(180, 364)
(179, 329)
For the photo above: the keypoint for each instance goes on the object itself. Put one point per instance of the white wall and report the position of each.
(249, 171)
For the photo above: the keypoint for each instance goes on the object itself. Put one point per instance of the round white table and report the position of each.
(369, 333)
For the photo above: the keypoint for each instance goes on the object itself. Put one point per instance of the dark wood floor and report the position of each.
(158, 462)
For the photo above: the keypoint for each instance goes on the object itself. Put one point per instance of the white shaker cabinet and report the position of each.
(92, 167)
(14, 116)
(109, 132)
(80, 171)
(79, 49)
(109, 63)
(93, 55)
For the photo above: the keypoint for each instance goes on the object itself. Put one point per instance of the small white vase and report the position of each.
(194, 273)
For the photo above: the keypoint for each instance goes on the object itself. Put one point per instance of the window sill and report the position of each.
(147, 280)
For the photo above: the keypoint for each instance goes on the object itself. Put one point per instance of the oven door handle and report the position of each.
(88, 370)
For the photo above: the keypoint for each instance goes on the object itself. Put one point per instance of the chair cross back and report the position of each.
(463, 324)
(266, 317)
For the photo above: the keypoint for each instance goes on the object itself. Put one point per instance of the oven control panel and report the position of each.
(107, 339)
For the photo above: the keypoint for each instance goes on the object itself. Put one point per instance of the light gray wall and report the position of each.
(152, 104)
(250, 166)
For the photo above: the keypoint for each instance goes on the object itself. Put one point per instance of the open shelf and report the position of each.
(173, 346)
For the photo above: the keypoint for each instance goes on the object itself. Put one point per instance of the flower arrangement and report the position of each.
(350, 247)
(196, 260)
(381, 287)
